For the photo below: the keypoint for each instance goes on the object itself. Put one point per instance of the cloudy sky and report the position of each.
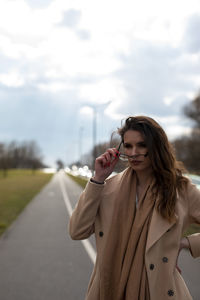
(59, 58)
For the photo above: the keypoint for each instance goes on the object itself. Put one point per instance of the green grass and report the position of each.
(16, 190)
(81, 181)
(193, 228)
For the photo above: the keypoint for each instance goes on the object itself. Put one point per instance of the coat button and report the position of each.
(151, 266)
(100, 233)
(165, 259)
(171, 293)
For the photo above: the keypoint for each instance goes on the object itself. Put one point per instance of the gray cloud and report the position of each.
(83, 34)
(51, 120)
(71, 18)
(191, 39)
(149, 73)
(152, 72)
(6, 62)
(38, 3)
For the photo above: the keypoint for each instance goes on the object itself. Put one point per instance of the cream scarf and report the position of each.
(122, 271)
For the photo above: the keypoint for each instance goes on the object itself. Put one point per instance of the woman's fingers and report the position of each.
(101, 160)
(108, 159)
(105, 164)
(110, 155)
(113, 152)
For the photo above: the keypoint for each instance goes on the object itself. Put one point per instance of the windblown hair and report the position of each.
(167, 170)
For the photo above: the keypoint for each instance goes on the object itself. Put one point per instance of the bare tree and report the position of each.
(4, 159)
(192, 111)
(60, 164)
(188, 147)
(20, 155)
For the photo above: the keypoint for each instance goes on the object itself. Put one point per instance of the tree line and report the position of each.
(20, 155)
(187, 147)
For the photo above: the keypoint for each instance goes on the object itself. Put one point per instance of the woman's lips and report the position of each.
(136, 162)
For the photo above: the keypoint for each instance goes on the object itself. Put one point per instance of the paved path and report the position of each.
(191, 273)
(39, 261)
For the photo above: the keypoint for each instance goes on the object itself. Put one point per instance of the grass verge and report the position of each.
(193, 228)
(81, 181)
(16, 190)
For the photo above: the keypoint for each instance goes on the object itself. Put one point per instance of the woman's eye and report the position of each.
(143, 145)
(127, 146)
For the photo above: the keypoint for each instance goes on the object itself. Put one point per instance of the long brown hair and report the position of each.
(167, 170)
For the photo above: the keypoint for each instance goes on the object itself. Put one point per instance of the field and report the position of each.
(16, 191)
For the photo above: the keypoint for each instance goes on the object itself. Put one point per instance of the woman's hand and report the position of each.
(105, 163)
(183, 244)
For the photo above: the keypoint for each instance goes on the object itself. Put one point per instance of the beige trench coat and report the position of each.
(93, 214)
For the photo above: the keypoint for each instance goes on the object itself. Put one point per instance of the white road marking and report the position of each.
(86, 243)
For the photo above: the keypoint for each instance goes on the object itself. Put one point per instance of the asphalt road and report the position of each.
(39, 261)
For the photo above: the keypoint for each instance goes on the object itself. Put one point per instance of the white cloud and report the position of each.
(173, 125)
(86, 110)
(191, 95)
(71, 18)
(35, 34)
(195, 79)
(175, 131)
(103, 90)
(168, 100)
(12, 79)
(191, 40)
(130, 52)
(54, 87)
(112, 110)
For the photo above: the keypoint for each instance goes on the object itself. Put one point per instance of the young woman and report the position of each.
(138, 217)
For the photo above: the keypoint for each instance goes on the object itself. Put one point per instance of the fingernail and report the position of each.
(107, 165)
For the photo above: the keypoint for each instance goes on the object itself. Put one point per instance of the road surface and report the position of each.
(39, 261)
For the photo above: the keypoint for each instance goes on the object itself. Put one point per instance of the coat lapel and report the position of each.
(158, 226)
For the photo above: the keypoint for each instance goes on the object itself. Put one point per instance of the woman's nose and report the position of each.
(134, 151)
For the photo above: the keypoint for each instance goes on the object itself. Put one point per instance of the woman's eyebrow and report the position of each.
(127, 144)
(138, 143)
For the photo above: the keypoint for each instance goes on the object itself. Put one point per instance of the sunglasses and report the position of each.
(126, 157)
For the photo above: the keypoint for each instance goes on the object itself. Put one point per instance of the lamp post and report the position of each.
(80, 142)
(94, 135)
(94, 128)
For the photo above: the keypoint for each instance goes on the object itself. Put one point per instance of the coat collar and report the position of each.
(158, 226)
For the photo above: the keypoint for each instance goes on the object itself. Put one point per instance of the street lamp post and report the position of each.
(94, 128)
(94, 135)
(80, 142)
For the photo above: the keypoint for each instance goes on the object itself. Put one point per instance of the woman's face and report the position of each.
(134, 144)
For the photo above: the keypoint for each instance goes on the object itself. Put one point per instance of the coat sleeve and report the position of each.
(194, 216)
(82, 220)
